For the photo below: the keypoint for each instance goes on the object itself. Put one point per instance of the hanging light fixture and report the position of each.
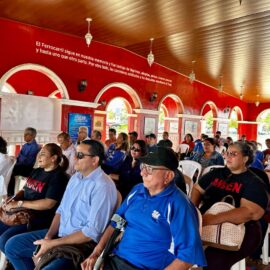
(88, 37)
(150, 56)
(192, 76)
(257, 102)
(241, 93)
(220, 85)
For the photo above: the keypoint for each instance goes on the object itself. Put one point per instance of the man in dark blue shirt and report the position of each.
(26, 158)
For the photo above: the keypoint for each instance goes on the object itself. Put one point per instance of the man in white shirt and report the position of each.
(68, 150)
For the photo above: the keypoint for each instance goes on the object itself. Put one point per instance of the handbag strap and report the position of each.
(229, 197)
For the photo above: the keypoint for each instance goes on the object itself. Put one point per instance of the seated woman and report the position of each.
(188, 139)
(116, 154)
(250, 197)
(129, 173)
(42, 192)
(209, 157)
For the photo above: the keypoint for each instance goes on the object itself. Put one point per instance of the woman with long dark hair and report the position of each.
(42, 192)
(129, 173)
(250, 196)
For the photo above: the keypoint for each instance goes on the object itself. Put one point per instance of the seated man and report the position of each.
(26, 158)
(82, 216)
(133, 136)
(68, 150)
(82, 135)
(162, 225)
(112, 137)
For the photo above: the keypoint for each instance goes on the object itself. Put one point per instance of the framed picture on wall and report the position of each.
(77, 120)
(98, 123)
(149, 125)
(223, 128)
(191, 127)
(173, 127)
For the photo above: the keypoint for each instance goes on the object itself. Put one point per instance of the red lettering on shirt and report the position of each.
(35, 185)
(233, 187)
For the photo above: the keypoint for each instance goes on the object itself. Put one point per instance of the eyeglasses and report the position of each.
(231, 154)
(149, 169)
(80, 155)
(135, 149)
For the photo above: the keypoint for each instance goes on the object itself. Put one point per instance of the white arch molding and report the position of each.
(212, 106)
(175, 98)
(133, 94)
(238, 111)
(47, 72)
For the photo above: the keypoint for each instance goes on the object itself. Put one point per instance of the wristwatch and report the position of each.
(19, 203)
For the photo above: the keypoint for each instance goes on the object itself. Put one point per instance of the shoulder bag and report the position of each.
(227, 236)
(16, 216)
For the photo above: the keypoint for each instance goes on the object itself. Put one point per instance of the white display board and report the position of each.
(21, 111)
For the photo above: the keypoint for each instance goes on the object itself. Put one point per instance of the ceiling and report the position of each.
(229, 42)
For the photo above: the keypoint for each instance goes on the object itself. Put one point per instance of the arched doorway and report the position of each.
(126, 100)
(263, 130)
(117, 115)
(169, 109)
(208, 123)
(235, 116)
(33, 79)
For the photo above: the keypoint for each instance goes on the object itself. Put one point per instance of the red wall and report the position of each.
(24, 44)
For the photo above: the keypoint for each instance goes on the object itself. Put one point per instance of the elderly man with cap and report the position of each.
(162, 226)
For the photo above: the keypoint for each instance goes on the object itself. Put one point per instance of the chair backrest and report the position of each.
(222, 149)
(10, 170)
(189, 184)
(190, 168)
(183, 148)
(209, 168)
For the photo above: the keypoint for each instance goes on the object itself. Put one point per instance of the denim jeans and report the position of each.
(19, 249)
(6, 232)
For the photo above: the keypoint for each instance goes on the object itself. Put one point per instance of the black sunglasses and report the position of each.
(135, 149)
(80, 155)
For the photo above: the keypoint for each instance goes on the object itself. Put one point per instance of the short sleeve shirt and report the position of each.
(41, 184)
(220, 182)
(159, 229)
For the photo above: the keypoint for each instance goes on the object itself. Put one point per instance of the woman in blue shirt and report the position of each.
(129, 173)
(116, 154)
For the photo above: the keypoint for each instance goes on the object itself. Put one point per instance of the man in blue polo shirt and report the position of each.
(162, 225)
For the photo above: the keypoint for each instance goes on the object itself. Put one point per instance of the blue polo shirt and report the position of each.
(159, 229)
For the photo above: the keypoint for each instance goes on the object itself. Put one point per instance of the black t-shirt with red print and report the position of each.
(220, 182)
(40, 185)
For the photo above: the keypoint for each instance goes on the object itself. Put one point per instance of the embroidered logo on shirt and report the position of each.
(155, 215)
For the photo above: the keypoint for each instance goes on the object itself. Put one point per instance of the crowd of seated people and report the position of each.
(71, 233)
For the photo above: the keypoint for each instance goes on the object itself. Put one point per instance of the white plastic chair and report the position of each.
(209, 168)
(241, 265)
(189, 184)
(190, 168)
(265, 248)
(183, 148)
(222, 149)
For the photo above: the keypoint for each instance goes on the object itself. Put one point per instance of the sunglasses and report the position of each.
(135, 149)
(80, 155)
(231, 154)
